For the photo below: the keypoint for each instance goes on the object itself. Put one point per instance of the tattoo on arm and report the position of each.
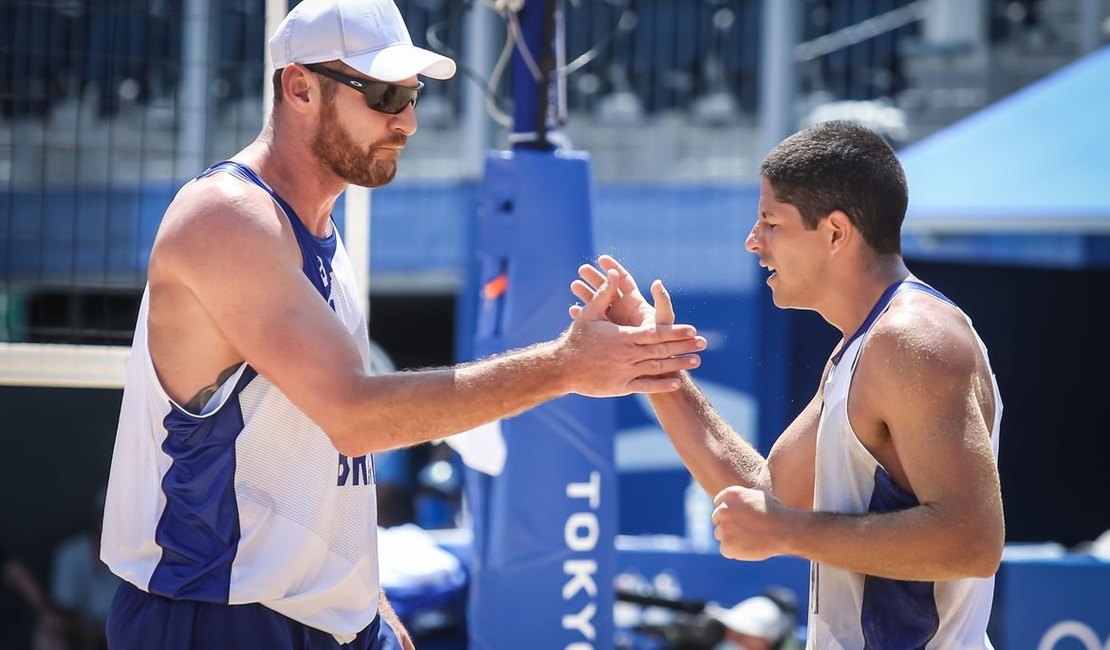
(198, 401)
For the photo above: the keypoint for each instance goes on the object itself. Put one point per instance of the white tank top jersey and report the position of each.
(247, 502)
(852, 611)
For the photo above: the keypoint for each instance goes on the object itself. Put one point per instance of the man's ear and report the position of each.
(297, 87)
(841, 230)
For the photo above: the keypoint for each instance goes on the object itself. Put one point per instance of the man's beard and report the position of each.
(333, 147)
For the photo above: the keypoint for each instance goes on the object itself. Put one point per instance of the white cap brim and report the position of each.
(758, 616)
(402, 61)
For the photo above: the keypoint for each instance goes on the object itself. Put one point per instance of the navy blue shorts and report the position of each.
(142, 621)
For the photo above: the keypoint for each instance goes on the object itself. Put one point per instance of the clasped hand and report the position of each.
(619, 343)
(750, 523)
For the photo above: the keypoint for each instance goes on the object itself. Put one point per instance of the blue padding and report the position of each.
(709, 575)
(534, 226)
(1065, 599)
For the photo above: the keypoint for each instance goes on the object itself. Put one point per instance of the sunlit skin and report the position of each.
(359, 148)
(921, 404)
(356, 144)
(829, 269)
(352, 143)
(227, 286)
(792, 252)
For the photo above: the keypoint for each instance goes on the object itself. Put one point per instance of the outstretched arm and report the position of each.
(716, 455)
(239, 270)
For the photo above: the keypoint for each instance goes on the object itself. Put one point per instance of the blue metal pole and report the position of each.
(535, 84)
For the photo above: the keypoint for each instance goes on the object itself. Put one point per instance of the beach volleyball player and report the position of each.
(240, 510)
(887, 480)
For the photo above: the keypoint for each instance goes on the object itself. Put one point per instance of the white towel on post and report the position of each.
(481, 448)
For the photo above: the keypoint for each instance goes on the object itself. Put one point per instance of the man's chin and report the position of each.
(373, 180)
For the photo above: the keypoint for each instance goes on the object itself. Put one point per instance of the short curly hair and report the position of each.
(842, 166)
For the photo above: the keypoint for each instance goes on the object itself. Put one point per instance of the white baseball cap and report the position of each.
(368, 35)
(758, 616)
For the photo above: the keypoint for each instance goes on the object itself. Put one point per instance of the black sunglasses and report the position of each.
(380, 96)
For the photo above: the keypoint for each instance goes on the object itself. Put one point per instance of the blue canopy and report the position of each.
(1035, 162)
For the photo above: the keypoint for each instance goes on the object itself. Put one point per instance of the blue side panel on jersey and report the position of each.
(199, 528)
(896, 613)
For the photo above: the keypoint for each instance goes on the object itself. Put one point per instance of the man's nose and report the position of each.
(752, 242)
(405, 121)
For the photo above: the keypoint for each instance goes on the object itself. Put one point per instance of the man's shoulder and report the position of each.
(215, 215)
(220, 201)
(920, 334)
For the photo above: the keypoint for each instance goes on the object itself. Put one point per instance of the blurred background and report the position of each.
(108, 106)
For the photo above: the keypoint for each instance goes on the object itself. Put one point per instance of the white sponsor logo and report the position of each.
(581, 533)
(1072, 630)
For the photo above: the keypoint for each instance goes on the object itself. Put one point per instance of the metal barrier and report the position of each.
(106, 107)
